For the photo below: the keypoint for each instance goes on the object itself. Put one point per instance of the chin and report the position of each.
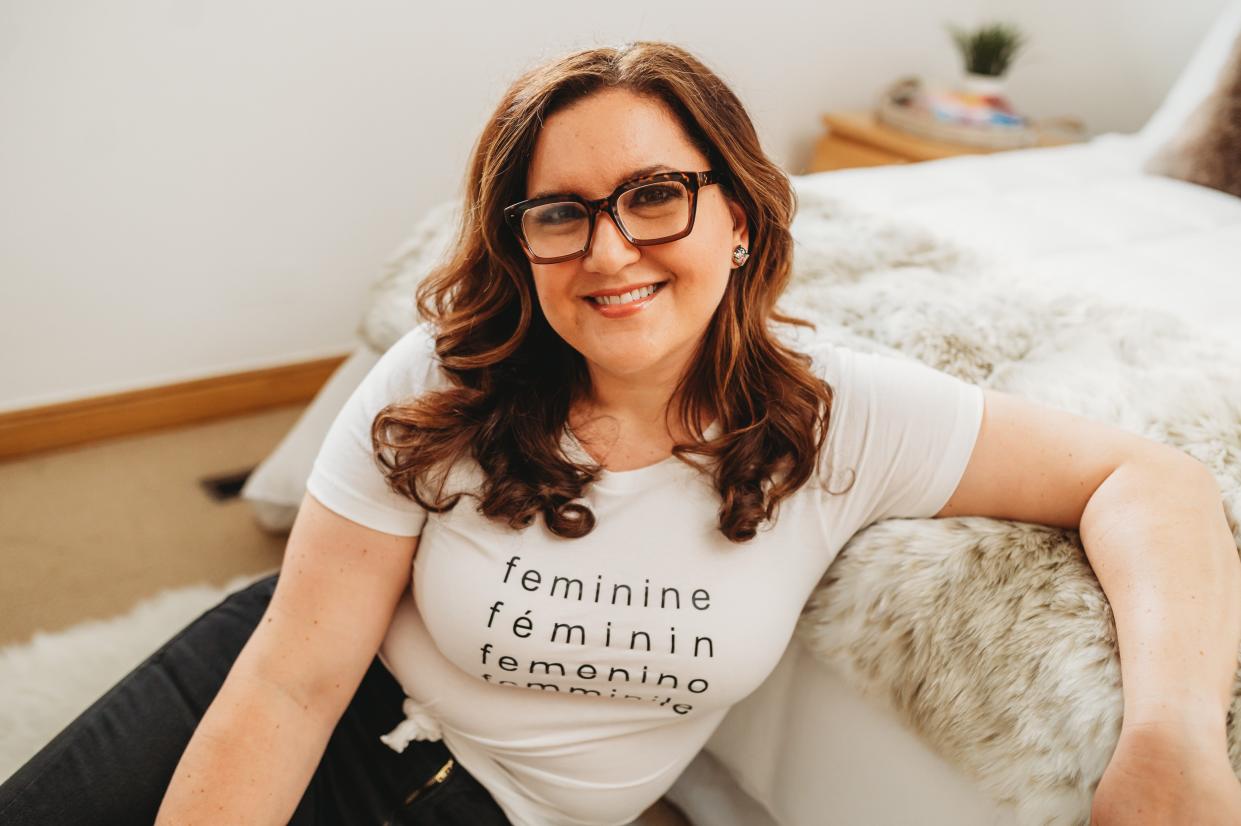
(628, 363)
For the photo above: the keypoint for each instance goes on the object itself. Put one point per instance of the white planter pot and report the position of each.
(982, 84)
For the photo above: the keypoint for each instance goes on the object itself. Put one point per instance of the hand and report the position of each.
(1168, 774)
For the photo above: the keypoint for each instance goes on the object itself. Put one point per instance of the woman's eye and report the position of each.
(650, 195)
(558, 215)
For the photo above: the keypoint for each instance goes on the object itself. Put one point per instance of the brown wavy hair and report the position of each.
(513, 379)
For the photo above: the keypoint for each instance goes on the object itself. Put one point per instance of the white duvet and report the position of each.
(1082, 218)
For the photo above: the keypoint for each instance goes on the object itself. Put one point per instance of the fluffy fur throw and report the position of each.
(991, 639)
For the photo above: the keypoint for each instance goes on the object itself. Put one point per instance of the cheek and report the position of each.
(556, 300)
(705, 265)
(712, 237)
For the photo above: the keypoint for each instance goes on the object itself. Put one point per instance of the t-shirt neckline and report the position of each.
(636, 477)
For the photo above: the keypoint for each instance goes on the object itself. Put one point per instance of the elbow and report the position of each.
(1200, 475)
(1176, 466)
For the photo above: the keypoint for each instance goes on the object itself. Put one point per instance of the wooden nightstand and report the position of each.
(860, 139)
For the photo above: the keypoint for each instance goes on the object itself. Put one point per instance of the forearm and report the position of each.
(1159, 543)
(250, 759)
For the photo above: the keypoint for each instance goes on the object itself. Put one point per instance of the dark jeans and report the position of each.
(114, 762)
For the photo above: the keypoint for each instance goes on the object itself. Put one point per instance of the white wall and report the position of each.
(192, 188)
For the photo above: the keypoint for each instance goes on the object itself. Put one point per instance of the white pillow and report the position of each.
(1196, 81)
(275, 488)
(392, 313)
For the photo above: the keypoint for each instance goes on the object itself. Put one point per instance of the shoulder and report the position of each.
(410, 365)
(831, 362)
(868, 371)
(829, 358)
(416, 344)
(409, 368)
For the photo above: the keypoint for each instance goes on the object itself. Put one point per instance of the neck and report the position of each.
(639, 401)
(637, 404)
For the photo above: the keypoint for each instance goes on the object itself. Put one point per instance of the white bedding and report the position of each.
(1080, 219)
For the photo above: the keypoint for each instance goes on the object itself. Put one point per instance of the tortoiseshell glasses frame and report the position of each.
(693, 181)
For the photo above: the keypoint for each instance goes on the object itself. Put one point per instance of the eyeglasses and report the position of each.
(651, 210)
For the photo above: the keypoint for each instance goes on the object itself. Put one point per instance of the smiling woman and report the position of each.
(633, 251)
(599, 366)
(659, 336)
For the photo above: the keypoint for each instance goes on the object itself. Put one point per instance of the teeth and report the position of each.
(625, 298)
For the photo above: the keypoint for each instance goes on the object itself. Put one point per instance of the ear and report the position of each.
(741, 225)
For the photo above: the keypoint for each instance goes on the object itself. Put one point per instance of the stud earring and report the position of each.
(740, 254)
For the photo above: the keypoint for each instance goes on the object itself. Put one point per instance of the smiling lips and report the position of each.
(623, 296)
(616, 304)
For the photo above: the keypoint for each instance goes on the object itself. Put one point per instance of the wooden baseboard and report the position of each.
(38, 429)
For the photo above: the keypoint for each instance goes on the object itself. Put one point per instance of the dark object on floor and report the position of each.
(227, 486)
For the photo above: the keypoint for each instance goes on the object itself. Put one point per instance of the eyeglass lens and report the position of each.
(648, 212)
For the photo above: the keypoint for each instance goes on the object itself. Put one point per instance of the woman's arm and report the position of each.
(254, 752)
(1157, 538)
(1152, 524)
(1159, 543)
(250, 758)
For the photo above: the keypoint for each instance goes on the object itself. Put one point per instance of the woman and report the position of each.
(621, 472)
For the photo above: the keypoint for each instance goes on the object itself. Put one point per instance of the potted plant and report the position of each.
(988, 52)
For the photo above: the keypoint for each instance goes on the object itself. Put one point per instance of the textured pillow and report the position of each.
(1207, 148)
(1195, 82)
(391, 312)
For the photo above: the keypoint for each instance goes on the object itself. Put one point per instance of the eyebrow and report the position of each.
(636, 173)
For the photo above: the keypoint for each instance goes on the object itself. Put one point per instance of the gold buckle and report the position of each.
(437, 778)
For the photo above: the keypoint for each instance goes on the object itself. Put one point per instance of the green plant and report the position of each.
(989, 49)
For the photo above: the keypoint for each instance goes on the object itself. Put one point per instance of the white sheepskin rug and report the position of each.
(47, 682)
(992, 639)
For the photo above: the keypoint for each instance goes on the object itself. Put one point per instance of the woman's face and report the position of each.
(589, 149)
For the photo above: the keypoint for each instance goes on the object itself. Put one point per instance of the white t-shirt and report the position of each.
(576, 678)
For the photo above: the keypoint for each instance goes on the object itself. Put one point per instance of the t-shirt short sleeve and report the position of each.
(902, 430)
(346, 477)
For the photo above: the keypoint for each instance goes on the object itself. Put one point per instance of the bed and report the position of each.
(1070, 274)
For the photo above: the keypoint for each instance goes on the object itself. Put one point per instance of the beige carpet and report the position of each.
(86, 532)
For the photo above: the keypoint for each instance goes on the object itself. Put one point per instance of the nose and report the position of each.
(609, 249)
